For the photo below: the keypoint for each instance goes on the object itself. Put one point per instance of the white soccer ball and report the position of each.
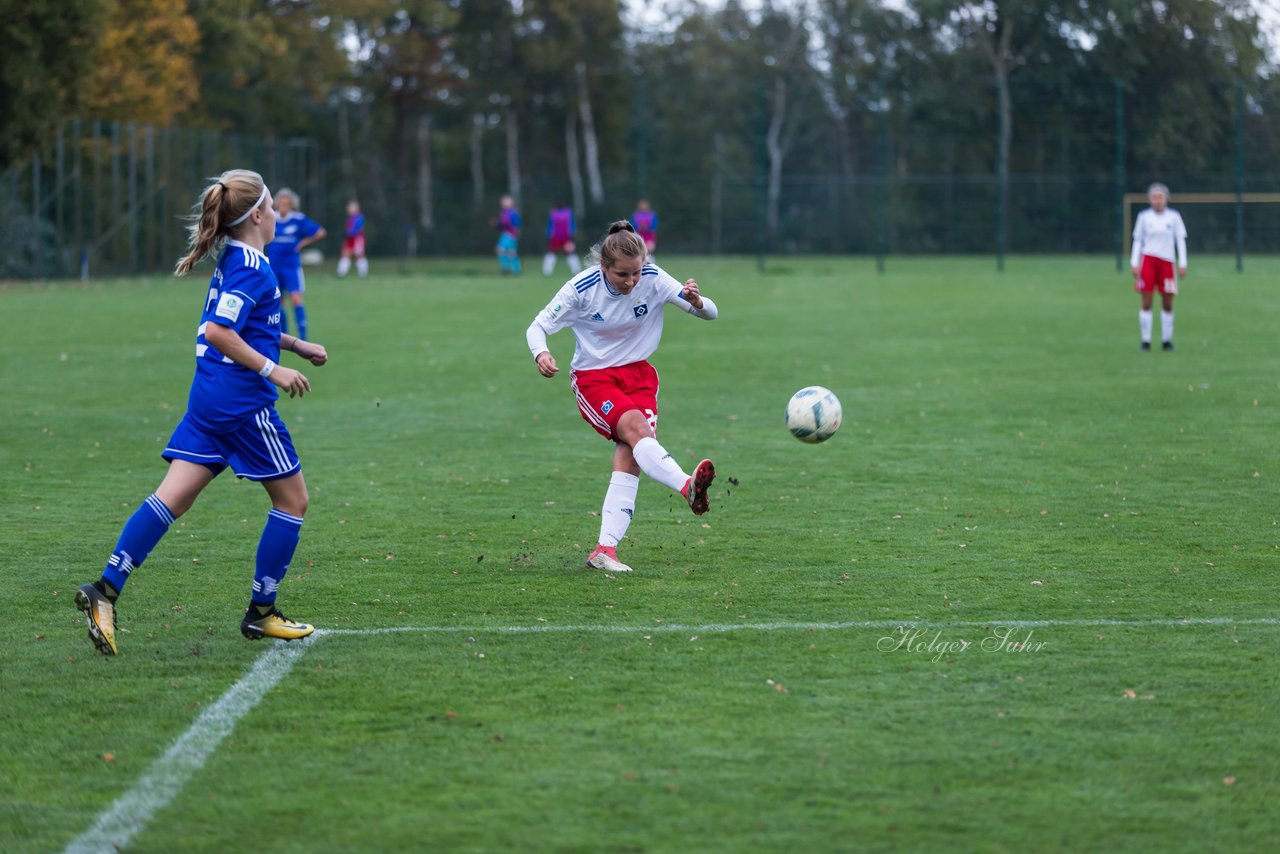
(813, 414)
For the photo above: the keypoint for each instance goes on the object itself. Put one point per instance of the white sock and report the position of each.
(574, 264)
(1166, 326)
(619, 505)
(548, 263)
(344, 264)
(1144, 324)
(362, 266)
(654, 461)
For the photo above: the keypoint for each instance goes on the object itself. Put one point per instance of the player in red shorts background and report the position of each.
(615, 308)
(1159, 240)
(353, 242)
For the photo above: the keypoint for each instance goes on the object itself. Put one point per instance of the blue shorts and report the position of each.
(290, 279)
(259, 450)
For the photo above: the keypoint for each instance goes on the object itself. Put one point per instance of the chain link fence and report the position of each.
(109, 199)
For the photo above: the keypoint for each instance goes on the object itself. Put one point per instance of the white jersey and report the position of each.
(1162, 235)
(610, 328)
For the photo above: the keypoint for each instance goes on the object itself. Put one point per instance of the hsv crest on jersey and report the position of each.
(606, 406)
(641, 310)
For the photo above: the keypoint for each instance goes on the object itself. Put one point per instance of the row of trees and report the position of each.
(430, 108)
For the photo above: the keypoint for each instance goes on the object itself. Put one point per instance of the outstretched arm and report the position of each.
(699, 306)
(228, 342)
(309, 350)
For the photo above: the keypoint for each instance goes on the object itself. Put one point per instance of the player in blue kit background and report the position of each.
(295, 231)
(231, 418)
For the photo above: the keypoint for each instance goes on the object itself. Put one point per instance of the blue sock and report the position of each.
(515, 265)
(275, 551)
(284, 319)
(300, 311)
(141, 533)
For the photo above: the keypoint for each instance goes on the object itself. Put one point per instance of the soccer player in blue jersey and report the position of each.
(231, 418)
(295, 231)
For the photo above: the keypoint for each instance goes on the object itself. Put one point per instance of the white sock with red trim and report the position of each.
(654, 461)
(619, 506)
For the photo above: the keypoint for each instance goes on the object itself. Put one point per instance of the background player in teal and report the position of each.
(231, 418)
(295, 231)
(508, 224)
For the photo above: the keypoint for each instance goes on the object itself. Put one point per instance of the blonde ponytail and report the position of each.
(228, 199)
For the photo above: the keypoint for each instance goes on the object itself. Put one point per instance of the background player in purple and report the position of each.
(645, 222)
(561, 230)
(508, 223)
(295, 231)
(353, 242)
(231, 418)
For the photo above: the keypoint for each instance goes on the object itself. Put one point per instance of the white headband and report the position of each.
(262, 198)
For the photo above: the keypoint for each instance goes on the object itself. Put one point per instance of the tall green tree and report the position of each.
(46, 62)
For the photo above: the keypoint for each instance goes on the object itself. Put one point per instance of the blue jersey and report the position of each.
(243, 296)
(283, 251)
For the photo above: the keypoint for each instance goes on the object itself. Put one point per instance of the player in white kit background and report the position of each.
(231, 419)
(615, 309)
(1159, 240)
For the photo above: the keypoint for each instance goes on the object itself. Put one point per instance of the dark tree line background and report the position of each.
(812, 125)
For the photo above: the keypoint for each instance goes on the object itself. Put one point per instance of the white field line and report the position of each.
(129, 814)
(714, 628)
(165, 779)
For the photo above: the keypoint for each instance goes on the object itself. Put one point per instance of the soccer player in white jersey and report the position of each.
(231, 418)
(1159, 240)
(615, 308)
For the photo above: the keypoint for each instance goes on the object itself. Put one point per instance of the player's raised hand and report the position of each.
(546, 364)
(691, 294)
(313, 353)
(290, 380)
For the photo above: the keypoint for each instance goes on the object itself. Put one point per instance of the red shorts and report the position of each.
(353, 245)
(1156, 274)
(561, 247)
(650, 240)
(605, 395)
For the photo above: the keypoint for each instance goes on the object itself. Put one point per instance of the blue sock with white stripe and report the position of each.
(144, 529)
(275, 551)
(300, 311)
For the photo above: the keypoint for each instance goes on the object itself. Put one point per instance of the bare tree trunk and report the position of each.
(571, 157)
(590, 144)
(404, 222)
(513, 154)
(426, 207)
(477, 158)
(377, 191)
(344, 144)
(777, 151)
(1002, 63)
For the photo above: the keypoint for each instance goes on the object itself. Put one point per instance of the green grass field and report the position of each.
(1008, 458)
